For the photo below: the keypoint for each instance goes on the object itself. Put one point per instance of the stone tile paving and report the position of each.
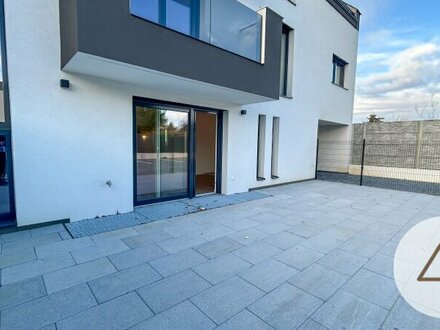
(314, 255)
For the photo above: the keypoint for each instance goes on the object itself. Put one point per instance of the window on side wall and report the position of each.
(275, 146)
(339, 71)
(261, 147)
(285, 75)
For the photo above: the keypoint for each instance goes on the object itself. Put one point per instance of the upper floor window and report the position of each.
(339, 68)
(285, 61)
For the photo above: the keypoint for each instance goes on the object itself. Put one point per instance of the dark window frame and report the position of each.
(284, 91)
(339, 63)
(261, 147)
(276, 123)
(5, 85)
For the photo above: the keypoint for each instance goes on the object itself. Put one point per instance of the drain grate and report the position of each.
(156, 212)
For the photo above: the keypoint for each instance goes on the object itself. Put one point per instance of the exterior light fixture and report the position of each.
(64, 83)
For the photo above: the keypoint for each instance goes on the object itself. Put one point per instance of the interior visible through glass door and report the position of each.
(5, 181)
(162, 153)
(206, 152)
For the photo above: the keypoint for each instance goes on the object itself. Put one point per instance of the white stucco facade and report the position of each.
(67, 143)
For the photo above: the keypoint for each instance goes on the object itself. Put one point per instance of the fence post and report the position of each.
(316, 166)
(362, 163)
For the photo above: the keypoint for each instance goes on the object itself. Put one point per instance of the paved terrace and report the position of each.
(316, 255)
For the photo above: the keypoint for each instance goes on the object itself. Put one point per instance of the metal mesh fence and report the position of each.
(411, 167)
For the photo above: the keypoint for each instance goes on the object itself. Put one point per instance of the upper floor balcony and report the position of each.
(215, 49)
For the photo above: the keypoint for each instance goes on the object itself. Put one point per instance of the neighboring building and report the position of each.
(113, 104)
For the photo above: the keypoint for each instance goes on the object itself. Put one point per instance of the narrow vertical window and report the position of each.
(261, 147)
(339, 68)
(284, 75)
(275, 146)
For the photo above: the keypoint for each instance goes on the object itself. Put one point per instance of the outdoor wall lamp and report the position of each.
(64, 83)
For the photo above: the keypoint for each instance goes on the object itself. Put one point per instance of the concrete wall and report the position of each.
(68, 143)
(334, 153)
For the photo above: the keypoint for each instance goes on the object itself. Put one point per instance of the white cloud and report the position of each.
(409, 79)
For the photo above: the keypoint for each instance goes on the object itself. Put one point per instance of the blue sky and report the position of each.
(399, 57)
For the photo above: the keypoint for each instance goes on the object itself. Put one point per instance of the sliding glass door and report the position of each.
(161, 153)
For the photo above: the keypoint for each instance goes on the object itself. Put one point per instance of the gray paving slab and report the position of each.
(381, 264)
(122, 282)
(218, 247)
(343, 262)
(284, 240)
(62, 247)
(322, 243)
(49, 309)
(68, 277)
(137, 256)
(312, 325)
(181, 286)
(184, 229)
(347, 311)
(21, 292)
(257, 252)
(35, 268)
(307, 229)
(46, 230)
(114, 235)
(15, 236)
(245, 320)
(374, 288)
(221, 268)
(120, 313)
(272, 227)
(211, 232)
(237, 292)
(248, 236)
(286, 307)
(361, 247)
(147, 238)
(320, 281)
(299, 257)
(404, 317)
(99, 251)
(268, 274)
(177, 244)
(23, 244)
(240, 224)
(178, 262)
(18, 257)
(184, 316)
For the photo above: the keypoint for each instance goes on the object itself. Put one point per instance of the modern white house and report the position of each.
(108, 105)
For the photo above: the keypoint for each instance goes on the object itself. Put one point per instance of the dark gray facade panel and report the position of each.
(107, 29)
(68, 30)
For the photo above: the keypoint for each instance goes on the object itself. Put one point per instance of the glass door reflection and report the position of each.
(162, 153)
(6, 211)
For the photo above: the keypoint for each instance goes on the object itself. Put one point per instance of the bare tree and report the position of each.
(430, 111)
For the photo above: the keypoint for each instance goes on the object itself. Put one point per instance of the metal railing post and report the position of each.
(362, 163)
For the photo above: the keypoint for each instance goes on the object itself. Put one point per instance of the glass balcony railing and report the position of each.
(227, 24)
